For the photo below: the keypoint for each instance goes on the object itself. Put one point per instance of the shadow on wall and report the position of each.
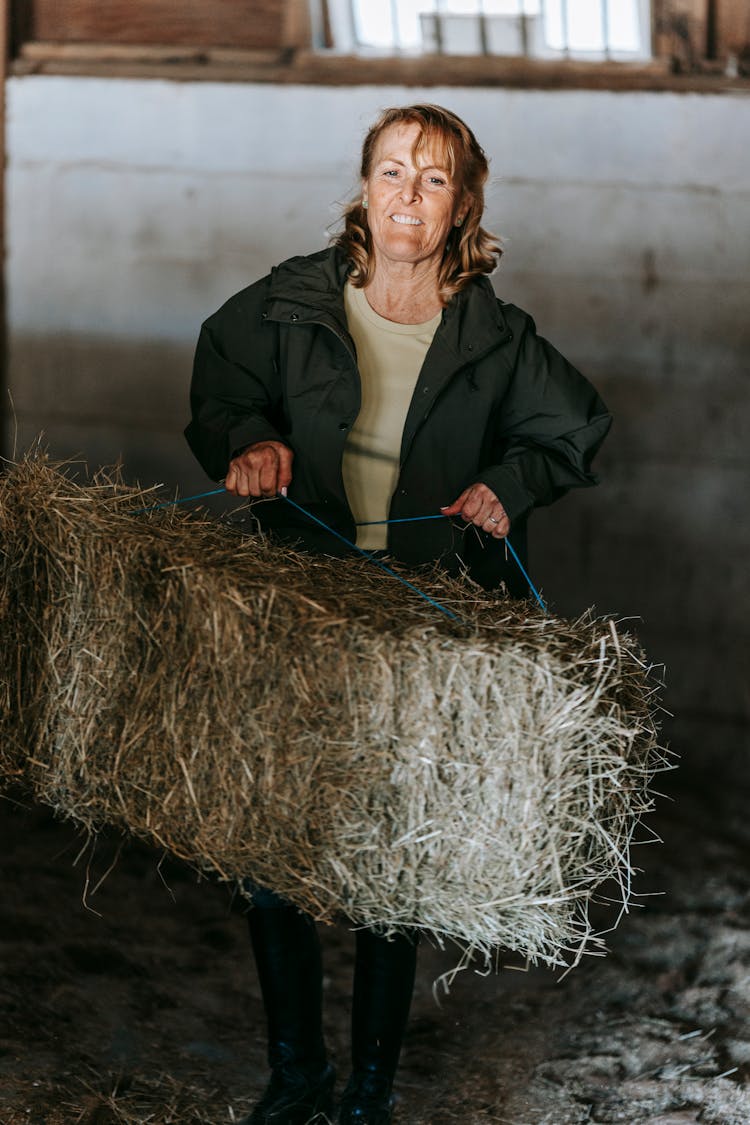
(104, 400)
(648, 546)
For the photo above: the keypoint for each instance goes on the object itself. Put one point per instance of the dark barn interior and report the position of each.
(158, 157)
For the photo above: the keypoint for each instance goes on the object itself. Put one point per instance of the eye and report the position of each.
(390, 172)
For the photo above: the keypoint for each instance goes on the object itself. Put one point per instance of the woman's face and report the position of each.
(410, 208)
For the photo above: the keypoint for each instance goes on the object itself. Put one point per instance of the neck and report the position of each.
(404, 292)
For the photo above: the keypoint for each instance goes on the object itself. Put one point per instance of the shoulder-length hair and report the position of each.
(469, 250)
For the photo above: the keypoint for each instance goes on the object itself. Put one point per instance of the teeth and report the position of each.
(409, 220)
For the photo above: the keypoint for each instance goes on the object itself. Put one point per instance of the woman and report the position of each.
(379, 380)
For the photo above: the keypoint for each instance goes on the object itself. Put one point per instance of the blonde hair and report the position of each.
(469, 250)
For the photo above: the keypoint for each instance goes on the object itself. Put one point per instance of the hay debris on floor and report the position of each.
(311, 724)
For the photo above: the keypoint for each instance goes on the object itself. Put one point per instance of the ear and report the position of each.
(463, 210)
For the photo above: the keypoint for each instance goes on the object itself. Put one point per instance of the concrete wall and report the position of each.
(136, 208)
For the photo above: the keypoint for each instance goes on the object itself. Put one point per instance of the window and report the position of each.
(578, 29)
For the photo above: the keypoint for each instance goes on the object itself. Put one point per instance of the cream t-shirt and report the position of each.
(389, 357)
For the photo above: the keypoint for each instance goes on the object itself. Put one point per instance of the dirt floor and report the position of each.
(137, 1001)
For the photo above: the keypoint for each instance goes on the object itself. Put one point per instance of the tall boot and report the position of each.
(287, 955)
(383, 985)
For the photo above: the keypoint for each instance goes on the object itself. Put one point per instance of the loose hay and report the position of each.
(310, 723)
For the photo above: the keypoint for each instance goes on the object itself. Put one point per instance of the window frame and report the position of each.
(340, 19)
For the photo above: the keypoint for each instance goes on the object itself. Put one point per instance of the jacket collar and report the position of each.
(310, 288)
(309, 285)
(473, 323)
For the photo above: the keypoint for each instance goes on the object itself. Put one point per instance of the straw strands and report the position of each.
(312, 724)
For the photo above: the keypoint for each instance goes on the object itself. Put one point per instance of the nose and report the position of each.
(409, 189)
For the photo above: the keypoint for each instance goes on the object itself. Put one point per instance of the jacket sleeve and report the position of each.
(549, 427)
(235, 394)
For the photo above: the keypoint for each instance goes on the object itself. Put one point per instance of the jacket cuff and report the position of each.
(240, 437)
(514, 497)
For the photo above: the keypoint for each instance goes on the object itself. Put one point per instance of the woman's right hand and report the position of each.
(263, 469)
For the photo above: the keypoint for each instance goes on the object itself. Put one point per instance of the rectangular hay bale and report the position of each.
(311, 724)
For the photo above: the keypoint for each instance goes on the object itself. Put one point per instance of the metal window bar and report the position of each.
(395, 25)
(439, 9)
(605, 27)
(565, 25)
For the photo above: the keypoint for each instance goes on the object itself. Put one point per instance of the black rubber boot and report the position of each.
(383, 986)
(293, 1098)
(287, 955)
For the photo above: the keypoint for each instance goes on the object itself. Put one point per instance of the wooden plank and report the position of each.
(19, 24)
(96, 54)
(196, 23)
(681, 32)
(4, 51)
(333, 69)
(733, 28)
(313, 68)
(297, 30)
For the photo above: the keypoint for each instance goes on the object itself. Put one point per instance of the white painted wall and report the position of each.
(137, 207)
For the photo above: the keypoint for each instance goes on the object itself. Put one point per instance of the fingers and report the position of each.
(262, 469)
(454, 508)
(479, 505)
(497, 525)
(285, 467)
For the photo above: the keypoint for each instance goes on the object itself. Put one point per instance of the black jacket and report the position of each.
(494, 403)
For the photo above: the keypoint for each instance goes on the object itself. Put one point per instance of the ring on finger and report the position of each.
(493, 520)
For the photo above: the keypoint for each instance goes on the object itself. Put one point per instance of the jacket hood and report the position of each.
(473, 321)
(308, 279)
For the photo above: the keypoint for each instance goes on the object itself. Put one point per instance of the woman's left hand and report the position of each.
(479, 505)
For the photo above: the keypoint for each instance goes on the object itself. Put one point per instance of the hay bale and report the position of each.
(312, 724)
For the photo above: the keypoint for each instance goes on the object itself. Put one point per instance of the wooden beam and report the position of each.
(297, 29)
(733, 28)
(4, 383)
(317, 68)
(36, 53)
(681, 32)
(180, 23)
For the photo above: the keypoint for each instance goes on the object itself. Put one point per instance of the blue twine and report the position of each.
(354, 547)
(413, 519)
(521, 567)
(371, 558)
(174, 503)
(407, 519)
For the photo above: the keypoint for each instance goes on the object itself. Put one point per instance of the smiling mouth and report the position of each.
(407, 220)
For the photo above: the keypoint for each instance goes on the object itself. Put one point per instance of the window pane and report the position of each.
(460, 7)
(585, 25)
(554, 25)
(409, 29)
(624, 25)
(373, 24)
(511, 7)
